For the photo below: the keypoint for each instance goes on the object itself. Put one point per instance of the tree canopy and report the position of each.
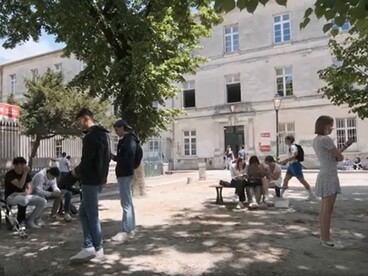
(134, 50)
(49, 108)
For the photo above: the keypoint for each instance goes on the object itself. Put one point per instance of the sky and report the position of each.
(28, 49)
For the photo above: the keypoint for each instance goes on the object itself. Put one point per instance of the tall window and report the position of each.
(233, 88)
(231, 39)
(284, 81)
(58, 67)
(285, 129)
(281, 28)
(189, 94)
(58, 147)
(190, 143)
(13, 83)
(154, 145)
(345, 129)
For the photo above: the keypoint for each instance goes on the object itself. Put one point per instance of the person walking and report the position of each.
(64, 164)
(92, 171)
(327, 183)
(294, 168)
(126, 162)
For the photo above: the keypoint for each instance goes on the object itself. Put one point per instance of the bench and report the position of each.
(219, 198)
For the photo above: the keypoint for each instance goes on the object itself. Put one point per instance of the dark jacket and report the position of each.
(125, 155)
(94, 166)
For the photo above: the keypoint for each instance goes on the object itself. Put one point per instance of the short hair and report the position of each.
(63, 154)
(321, 124)
(19, 161)
(54, 171)
(253, 160)
(68, 157)
(270, 158)
(290, 138)
(84, 112)
(243, 147)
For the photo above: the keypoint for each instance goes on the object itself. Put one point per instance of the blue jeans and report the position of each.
(88, 215)
(125, 184)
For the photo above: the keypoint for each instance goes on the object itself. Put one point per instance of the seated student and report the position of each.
(238, 180)
(44, 185)
(18, 190)
(274, 177)
(66, 185)
(256, 179)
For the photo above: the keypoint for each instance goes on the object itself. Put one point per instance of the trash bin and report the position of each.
(202, 171)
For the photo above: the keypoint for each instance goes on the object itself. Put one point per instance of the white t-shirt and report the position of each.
(276, 170)
(235, 172)
(293, 151)
(64, 164)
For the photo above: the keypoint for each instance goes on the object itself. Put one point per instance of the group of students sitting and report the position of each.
(23, 190)
(254, 179)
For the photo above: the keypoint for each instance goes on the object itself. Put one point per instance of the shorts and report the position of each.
(295, 169)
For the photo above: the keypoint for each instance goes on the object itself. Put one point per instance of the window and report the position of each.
(58, 147)
(13, 83)
(343, 28)
(281, 28)
(190, 143)
(284, 81)
(58, 67)
(285, 129)
(345, 129)
(155, 104)
(231, 39)
(233, 88)
(153, 145)
(189, 94)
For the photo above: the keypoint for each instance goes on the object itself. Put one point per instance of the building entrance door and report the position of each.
(234, 137)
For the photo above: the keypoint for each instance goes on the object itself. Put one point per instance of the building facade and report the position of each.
(252, 57)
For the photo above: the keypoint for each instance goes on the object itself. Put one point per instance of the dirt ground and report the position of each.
(181, 231)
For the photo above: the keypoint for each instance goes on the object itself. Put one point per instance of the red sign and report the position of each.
(265, 134)
(265, 148)
(9, 111)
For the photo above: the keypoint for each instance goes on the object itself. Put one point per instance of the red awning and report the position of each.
(9, 112)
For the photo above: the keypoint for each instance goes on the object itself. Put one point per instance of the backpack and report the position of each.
(300, 156)
(138, 156)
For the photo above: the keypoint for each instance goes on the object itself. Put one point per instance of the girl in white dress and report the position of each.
(327, 183)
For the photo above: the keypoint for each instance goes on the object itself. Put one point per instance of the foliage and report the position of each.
(347, 81)
(50, 107)
(11, 99)
(134, 50)
(353, 11)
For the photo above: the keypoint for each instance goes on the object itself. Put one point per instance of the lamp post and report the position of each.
(276, 105)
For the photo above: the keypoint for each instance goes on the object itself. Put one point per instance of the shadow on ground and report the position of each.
(214, 240)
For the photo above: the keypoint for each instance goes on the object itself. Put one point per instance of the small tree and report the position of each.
(11, 100)
(347, 80)
(49, 109)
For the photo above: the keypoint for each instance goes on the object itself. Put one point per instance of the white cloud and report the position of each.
(28, 49)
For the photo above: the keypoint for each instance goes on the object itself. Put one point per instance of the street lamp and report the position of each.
(276, 105)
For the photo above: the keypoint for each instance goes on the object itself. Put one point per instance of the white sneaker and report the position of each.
(239, 206)
(68, 217)
(235, 198)
(84, 255)
(122, 237)
(32, 225)
(311, 197)
(253, 205)
(40, 222)
(100, 254)
(332, 244)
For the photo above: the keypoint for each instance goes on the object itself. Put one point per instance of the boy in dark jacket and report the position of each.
(92, 171)
(125, 159)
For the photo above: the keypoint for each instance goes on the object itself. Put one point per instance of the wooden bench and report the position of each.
(219, 199)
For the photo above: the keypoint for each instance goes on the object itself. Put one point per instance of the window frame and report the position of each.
(284, 77)
(13, 83)
(285, 128)
(189, 86)
(58, 146)
(346, 128)
(231, 35)
(281, 24)
(192, 150)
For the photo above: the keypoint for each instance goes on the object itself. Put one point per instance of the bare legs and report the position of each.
(327, 206)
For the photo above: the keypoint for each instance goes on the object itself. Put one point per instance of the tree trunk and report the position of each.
(139, 185)
(35, 146)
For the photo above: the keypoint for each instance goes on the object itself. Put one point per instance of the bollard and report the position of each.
(202, 171)
(189, 180)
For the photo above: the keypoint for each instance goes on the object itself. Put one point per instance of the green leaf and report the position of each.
(341, 6)
(263, 2)
(252, 5)
(281, 2)
(334, 32)
(304, 23)
(228, 5)
(329, 14)
(242, 4)
(319, 11)
(327, 27)
(340, 20)
(308, 12)
(359, 12)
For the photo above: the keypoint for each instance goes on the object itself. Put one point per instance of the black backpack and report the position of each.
(300, 156)
(138, 156)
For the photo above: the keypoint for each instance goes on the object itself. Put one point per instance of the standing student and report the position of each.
(327, 183)
(92, 171)
(294, 167)
(126, 161)
(64, 164)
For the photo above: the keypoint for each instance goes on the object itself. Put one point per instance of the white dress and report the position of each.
(327, 182)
